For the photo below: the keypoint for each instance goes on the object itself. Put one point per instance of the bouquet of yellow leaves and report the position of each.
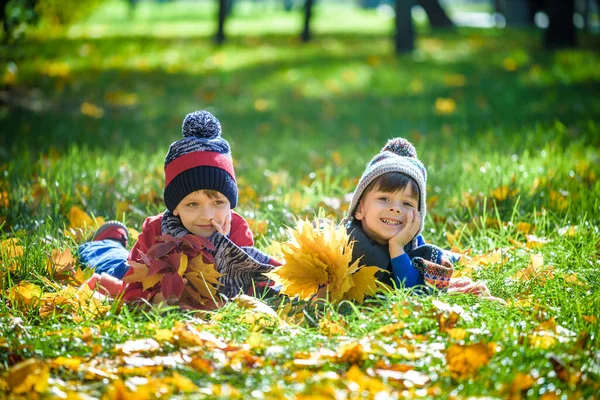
(177, 268)
(319, 254)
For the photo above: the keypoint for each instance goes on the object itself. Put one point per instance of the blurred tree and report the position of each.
(307, 15)
(404, 35)
(16, 15)
(518, 12)
(561, 29)
(221, 16)
(436, 14)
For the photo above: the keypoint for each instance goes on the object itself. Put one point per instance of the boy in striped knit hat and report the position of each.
(386, 217)
(200, 193)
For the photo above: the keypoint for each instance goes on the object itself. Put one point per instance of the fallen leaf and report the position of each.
(137, 346)
(26, 294)
(465, 360)
(28, 376)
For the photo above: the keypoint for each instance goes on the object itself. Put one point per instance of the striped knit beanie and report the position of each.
(398, 155)
(201, 160)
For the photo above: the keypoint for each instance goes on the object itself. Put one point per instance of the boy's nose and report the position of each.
(395, 209)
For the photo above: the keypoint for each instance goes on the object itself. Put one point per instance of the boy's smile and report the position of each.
(383, 214)
(200, 213)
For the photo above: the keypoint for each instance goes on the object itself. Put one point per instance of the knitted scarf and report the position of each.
(429, 260)
(240, 266)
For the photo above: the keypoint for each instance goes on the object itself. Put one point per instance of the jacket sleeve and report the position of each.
(405, 273)
(240, 233)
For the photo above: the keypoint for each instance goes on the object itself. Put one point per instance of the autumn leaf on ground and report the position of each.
(28, 377)
(373, 386)
(534, 242)
(26, 294)
(332, 328)
(465, 360)
(520, 385)
(548, 333)
(536, 270)
(61, 267)
(319, 254)
(448, 315)
(257, 313)
(78, 303)
(81, 224)
(9, 250)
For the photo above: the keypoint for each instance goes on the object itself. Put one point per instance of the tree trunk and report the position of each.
(3, 4)
(220, 36)
(307, 15)
(436, 14)
(404, 36)
(561, 30)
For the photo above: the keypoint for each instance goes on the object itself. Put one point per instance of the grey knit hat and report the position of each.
(398, 155)
(201, 160)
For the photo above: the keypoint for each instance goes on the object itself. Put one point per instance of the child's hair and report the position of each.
(392, 182)
(211, 194)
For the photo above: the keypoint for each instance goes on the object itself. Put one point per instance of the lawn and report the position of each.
(510, 135)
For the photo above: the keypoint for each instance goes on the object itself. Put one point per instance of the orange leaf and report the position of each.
(28, 376)
(465, 360)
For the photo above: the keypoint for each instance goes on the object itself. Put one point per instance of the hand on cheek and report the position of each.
(406, 234)
(224, 228)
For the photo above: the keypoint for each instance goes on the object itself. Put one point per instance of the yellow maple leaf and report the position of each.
(79, 303)
(26, 293)
(320, 254)
(203, 277)
(465, 360)
(364, 284)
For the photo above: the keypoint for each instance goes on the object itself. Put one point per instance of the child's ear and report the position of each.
(359, 212)
(176, 213)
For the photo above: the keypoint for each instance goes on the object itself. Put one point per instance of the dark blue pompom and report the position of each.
(201, 124)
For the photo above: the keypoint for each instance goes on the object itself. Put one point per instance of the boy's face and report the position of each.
(383, 214)
(196, 211)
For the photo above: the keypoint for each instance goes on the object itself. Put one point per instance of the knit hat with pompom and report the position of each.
(398, 155)
(201, 160)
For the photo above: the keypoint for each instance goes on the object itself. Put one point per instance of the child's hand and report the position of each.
(406, 234)
(105, 284)
(225, 228)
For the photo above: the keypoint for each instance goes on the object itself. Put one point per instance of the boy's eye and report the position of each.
(192, 204)
(383, 198)
(219, 202)
(409, 204)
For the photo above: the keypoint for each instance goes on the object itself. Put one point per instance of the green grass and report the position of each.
(302, 121)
